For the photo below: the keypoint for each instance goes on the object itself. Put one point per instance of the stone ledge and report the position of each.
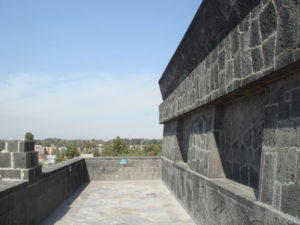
(61, 165)
(241, 193)
(125, 157)
(216, 201)
(7, 186)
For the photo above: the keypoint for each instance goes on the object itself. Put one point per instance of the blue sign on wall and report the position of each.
(123, 161)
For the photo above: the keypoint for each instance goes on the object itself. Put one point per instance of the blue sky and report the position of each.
(86, 68)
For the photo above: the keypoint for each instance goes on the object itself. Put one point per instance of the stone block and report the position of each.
(268, 171)
(257, 59)
(244, 25)
(28, 146)
(234, 41)
(297, 180)
(253, 178)
(237, 65)
(5, 160)
(277, 195)
(283, 110)
(20, 146)
(13, 146)
(286, 165)
(290, 199)
(246, 64)
(25, 159)
(286, 137)
(236, 172)
(254, 34)
(229, 71)
(295, 103)
(284, 59)
(32, 173)
(270, 119)
(244, 179)
(10, 174)
(268, 50)
(268, 20)
(287, 29)
(2, 145)
(221, 60)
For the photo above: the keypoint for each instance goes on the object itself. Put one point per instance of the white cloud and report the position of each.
(79, 106)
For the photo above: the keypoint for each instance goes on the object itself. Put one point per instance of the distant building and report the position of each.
(50, 159)
(51, 150)
(40, 149)
(87, 155)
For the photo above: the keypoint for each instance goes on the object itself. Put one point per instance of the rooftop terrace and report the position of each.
(120, 202)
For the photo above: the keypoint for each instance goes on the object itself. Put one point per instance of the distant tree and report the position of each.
(118, 147)
(69, 153)
(60, 156)
(107, 150)
(29, 136)
(153, 150)
(96, 153)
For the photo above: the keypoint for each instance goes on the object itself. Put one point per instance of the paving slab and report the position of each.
(121, 203)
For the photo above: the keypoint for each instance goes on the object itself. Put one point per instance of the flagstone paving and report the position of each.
(121, 203)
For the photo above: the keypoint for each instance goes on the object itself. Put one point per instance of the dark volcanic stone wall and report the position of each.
(231, 145)
(212, 23)
(267, 40)
(243, 126)
(27, 203)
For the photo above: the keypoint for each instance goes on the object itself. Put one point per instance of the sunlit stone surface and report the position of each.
(121, 202)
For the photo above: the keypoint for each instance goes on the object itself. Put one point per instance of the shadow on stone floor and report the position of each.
(61, 211)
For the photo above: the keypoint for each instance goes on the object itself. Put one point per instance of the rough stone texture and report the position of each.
(137, 168)
(19, 161)
(25, 159)
(219, 201)
(5, 160)
(250, 84)
(212, 23)
(13, 146)
(268, 43)
(281, 146)
(2, 145)
(256, 140)
(243, 122)
(10, 174)
(290, 202)
(20, 146)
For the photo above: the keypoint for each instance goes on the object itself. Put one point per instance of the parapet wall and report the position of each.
(231, 144)
(29, 203)
(130, 168)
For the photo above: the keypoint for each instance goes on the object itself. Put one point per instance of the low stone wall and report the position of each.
(218, 201)
(130, 168)
(30, 203)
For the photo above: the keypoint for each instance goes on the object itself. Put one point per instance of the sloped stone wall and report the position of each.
(265, 41)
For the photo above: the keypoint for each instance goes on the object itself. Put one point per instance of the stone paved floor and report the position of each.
(121, 203)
